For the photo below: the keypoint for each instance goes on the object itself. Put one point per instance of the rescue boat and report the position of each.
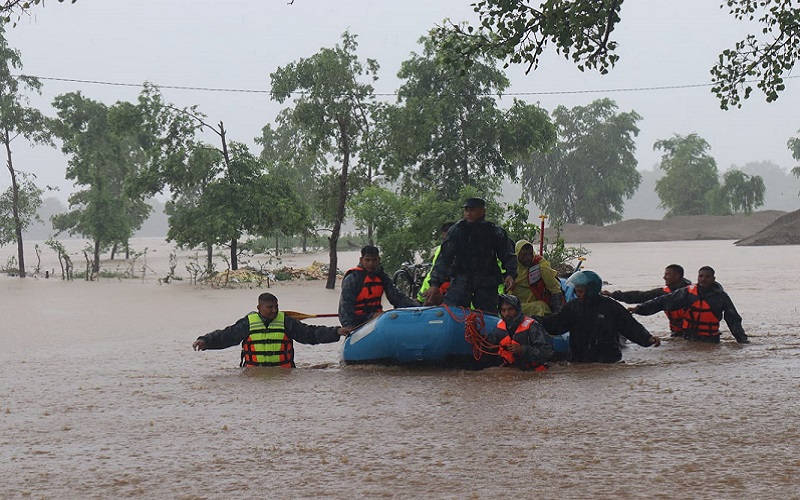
(434, 335)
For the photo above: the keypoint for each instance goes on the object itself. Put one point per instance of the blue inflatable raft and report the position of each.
(423, 336)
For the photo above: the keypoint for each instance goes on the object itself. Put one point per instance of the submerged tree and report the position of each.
(18, 210)
(17, 119)
(588, 174)
(105, 157)
(332, 114)
(521, 31)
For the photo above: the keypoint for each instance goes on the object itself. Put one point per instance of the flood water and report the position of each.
(101, 396)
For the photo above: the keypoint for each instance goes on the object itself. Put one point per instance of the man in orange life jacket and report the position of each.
(706, 304)
(523, 341)
(267, 334)
(673, 280)
(362, 290)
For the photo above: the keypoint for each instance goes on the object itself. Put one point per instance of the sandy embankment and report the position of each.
(703, 227)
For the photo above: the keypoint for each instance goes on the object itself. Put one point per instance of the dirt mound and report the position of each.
(785, 230)
(698, 227)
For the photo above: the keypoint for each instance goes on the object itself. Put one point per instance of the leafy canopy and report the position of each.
(447, 133)
(520, 31)
(588, 174)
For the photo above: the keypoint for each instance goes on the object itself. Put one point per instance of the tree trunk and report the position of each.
(209, 256)
(227, 159)
(15, 204)
(113, 251)
(340, 207)
(96, 262)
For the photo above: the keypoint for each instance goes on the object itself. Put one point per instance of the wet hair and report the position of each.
(267, 297)
(675, 267)
(708, 269)
(370, 250)
(509, 299)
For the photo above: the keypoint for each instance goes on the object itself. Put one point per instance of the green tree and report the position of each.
(332, 113)
(691, 180)
(104, 157)
(285, 157)
(743, 192)
(446, 132)
(19, 209)
(11, 10)
(591, 170)
(240, 199)
(518, 222)
(18, 119)
(218, 194)
(794, 147)
(520, 32)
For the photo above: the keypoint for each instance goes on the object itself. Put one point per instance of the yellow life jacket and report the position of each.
(267, 345)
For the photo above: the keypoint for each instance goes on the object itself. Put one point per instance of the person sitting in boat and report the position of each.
(469, 258)
(706, 304)
(673, 280)
(522, 341)
(363, 288)
(426, 283)
(595, 322)
(537, 288)
(267, 335)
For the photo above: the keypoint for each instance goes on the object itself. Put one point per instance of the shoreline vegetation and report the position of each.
(158, 260)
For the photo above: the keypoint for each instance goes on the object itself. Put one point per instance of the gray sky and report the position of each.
(236, 44)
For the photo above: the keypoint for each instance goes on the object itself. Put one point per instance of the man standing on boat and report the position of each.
(705, 303)
(363, 288)
(673, 280)
(469, 257)
(266, 335)
(522, 340)
(595, 322)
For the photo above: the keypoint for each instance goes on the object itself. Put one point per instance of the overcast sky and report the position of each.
(236, 44)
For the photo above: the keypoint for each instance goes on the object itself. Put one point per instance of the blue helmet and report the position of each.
(587, 279)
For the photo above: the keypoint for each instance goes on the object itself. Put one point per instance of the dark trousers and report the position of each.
(476, 292)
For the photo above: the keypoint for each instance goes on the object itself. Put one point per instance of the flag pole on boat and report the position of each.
(541, 235)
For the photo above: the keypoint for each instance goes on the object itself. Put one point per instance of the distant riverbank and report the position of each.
(700, 227)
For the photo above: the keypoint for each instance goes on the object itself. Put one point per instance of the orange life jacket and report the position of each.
(507, 355)
(369, 297)
(699, 319)
(675, 317)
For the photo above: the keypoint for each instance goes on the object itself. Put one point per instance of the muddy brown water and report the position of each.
(102, 397)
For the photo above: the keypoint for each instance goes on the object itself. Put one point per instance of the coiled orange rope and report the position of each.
(474, 324)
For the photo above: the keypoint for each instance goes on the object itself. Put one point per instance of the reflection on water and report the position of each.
(102, 397)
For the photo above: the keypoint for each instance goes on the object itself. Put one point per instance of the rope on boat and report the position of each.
(474, 324)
